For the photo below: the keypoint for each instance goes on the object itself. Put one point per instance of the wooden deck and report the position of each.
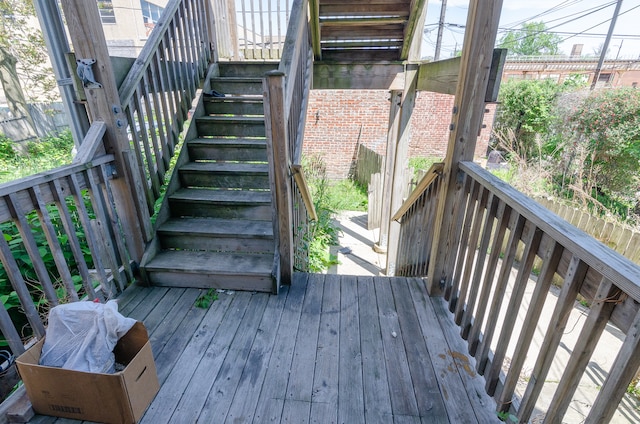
(329, 349)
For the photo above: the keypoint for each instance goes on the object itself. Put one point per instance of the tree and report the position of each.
(24, 72)
(531, 40)
(602, 140)
(525, 114)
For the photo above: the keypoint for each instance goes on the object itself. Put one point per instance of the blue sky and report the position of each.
(568, 17)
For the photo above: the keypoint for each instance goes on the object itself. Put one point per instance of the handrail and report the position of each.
(434, 172)
(304, 191)
(131, 81)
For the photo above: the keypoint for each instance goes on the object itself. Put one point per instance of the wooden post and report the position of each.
(280, 162)
(389, 171)
(401, 165)
(103, 104)
(475, 66)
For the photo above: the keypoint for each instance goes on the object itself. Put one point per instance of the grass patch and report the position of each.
(346, 195)
(37, 156)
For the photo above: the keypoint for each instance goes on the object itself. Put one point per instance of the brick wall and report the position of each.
(337, 120)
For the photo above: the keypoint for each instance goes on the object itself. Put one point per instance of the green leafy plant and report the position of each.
(507, 417)
(206, 299)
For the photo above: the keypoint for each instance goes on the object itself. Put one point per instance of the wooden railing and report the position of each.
(286, 98)
(61, 241)
(157, 93)
(506, 238)
(416, 236)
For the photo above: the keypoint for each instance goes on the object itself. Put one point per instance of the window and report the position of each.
(150, 12)
(106, 12)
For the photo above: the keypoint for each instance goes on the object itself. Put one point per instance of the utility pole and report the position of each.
(605, 47)
(443, 10)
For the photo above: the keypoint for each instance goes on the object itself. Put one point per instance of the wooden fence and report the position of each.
(616, 236)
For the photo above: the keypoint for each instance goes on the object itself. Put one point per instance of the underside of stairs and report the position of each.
(214, 228)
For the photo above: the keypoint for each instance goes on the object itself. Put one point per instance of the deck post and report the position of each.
(401, 164)
(280, 173)
(475, 67)
(103, 104)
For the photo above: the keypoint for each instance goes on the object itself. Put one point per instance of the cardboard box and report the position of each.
(109, 398)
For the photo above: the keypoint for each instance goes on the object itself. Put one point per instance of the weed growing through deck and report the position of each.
(206, 299)
(507, 417)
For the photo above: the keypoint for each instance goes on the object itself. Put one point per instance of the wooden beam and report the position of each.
(314, 26)
(103, 104)
(365, 76)
(401, 166)
(475, 67)
(442, 76)
(413, 31)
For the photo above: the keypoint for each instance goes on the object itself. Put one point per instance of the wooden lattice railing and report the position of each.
(509, 252)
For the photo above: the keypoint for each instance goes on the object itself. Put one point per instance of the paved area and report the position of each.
(357, 257)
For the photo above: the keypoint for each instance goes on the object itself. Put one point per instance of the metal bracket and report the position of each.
(85, 73)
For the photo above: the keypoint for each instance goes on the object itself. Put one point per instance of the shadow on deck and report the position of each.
(329, 349)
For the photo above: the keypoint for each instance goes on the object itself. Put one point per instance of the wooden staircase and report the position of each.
(214, 229)
(365, 30)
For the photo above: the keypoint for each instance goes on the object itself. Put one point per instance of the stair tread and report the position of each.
(230, 98)
(236, 118)
(218, 227)
(222, 196)
(225, 167)
(195, 262)
(230, 142)
(237, 79)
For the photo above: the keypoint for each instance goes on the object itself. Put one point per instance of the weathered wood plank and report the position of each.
(403, 397)
(223, 390)
(196, 393)
(350, 389)
(178, 378)
(271, 400)
(325, 380)
(246, 396)
(377, 400)
(423, 376)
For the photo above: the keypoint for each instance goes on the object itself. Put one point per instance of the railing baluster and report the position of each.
(74, 243)
(90, 235)
(31, 246)
(143, 136)
(622, 372)
(158, 152)
(516, 226)
(20, 287)
(470, 261)
(54, 244)
(599, 313)
(457, 257)
(570, 288)
(551, 258)
(532, 238)
(503, 217)
(487, 226)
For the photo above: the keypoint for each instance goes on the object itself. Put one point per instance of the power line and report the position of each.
(546, 12)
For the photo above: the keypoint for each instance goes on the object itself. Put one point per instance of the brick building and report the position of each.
(339, 120)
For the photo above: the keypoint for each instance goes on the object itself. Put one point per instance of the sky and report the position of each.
(575, 21)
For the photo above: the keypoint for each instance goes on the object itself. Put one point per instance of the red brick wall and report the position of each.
(337, 120)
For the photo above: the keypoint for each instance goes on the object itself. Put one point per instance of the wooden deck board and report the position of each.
(323, 351)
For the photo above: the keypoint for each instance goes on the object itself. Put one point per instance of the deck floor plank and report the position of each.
(377, 399)
(323, 351)
(350, 386)
(226, 381)
(166, 401)
(325, 379)
(423, 376)
(245, 400)
(271, 400)
(197, 392)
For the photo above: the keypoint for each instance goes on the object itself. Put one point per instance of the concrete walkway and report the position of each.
(357, 257)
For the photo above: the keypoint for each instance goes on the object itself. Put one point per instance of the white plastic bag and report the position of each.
(81, 336)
